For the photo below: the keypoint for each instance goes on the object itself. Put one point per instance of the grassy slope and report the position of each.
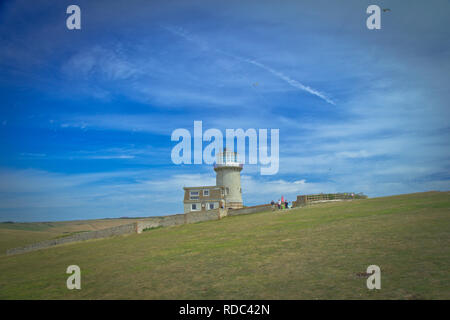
(304, 253)
(19, 234)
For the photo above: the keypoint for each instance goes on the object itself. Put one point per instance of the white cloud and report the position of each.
(353, 154)
(106, 63)
(204, 46)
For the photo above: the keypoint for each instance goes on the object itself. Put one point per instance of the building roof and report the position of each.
(203, 187)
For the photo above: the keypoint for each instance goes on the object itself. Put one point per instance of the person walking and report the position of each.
(279, 204)
(272, 203)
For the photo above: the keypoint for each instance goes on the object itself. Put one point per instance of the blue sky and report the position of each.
(86, 115)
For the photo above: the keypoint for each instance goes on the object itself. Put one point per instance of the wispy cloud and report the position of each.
(204, 46)
(106, 63)
(121, 193)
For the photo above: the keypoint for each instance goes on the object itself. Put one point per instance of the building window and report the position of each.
(193, 195)
(206, 193)
(227, 191)
(211, 206)
(195, 207)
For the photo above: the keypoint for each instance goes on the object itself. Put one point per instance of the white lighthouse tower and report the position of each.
(228, 175)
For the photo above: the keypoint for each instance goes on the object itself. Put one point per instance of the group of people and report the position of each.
(282, 204)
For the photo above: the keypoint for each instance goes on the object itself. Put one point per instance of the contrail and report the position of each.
(293, 83)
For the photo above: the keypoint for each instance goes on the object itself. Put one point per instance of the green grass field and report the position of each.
(306, 253)
(20, 234)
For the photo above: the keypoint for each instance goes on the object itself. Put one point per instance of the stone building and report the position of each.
(227, 193)
(203, 198)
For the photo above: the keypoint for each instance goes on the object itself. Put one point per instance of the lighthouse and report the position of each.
(226, 194)
(228, 175)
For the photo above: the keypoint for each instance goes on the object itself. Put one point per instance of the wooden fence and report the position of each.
(310, 198)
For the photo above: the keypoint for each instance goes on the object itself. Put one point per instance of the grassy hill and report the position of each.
(20, 234)
(307, 253)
